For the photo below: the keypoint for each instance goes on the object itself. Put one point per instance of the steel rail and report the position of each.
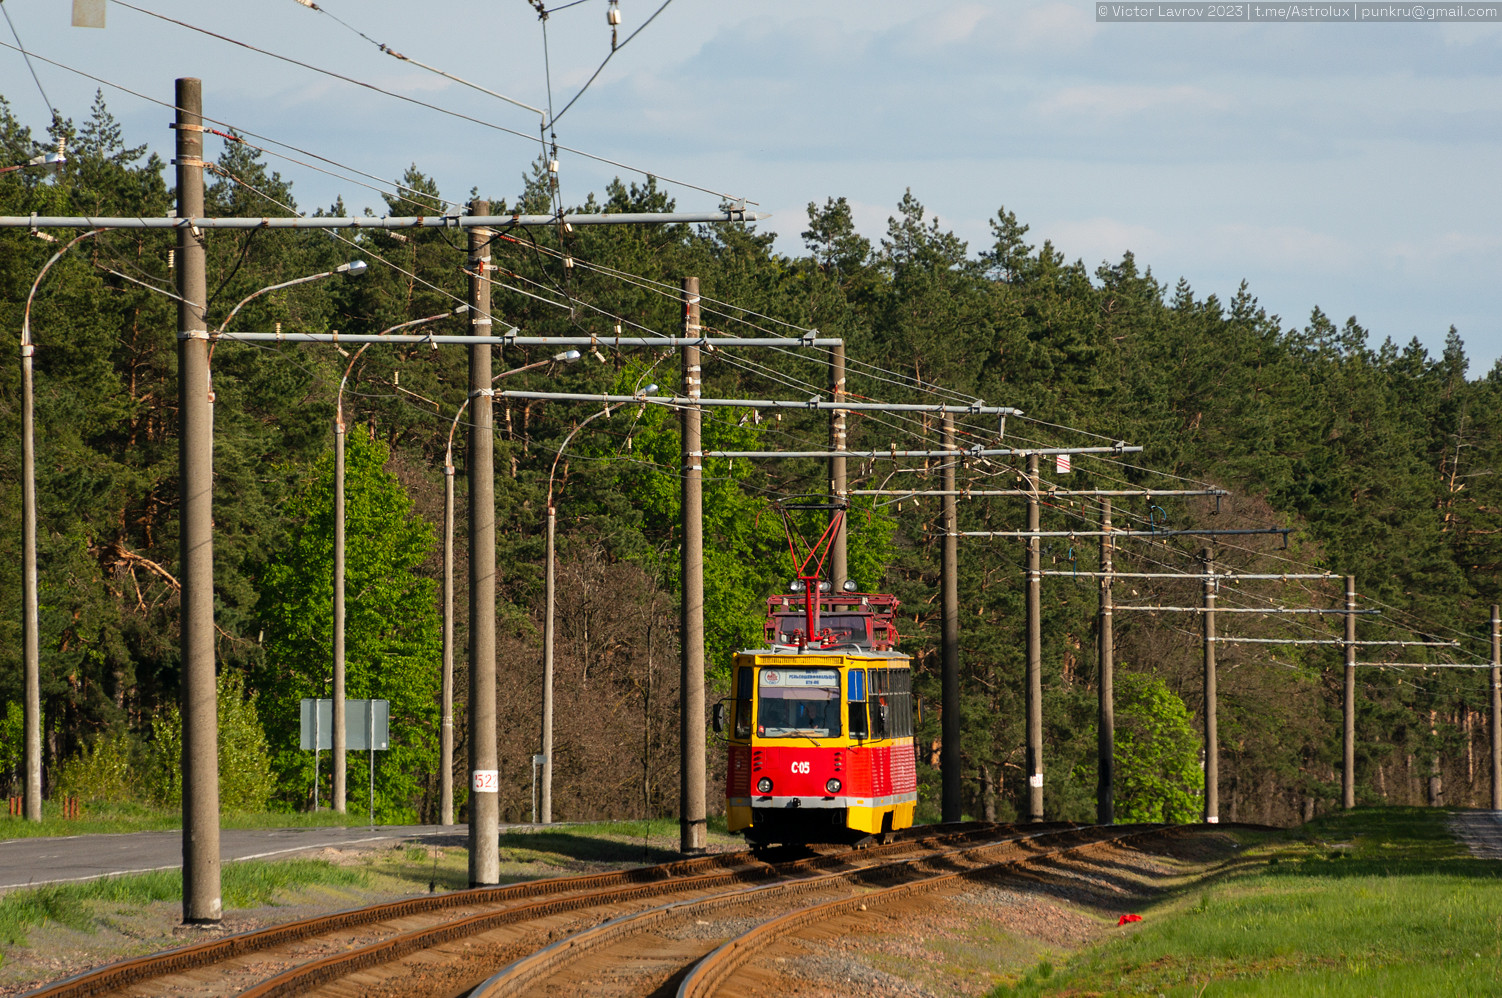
(126, 973)
(706, 976)
(524, 973)
(660, 880)
(303, 978)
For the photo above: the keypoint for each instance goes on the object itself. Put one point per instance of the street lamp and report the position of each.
(30, 614)
(339, 734)
(446, 737)
(353, 268)
(338, 719)
(547, 627)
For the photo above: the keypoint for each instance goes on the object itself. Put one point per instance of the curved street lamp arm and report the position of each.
(354, 267)
(448, 455)
(339, 403)
(26, 316)
(431, 318)
(568, 439)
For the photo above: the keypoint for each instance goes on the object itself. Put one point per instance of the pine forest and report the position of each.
(1377, 457)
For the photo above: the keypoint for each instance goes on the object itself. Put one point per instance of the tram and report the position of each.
(821, 721)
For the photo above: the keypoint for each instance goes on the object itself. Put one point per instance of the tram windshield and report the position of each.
(798, 702)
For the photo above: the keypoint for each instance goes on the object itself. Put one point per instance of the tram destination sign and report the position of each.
(799, 677)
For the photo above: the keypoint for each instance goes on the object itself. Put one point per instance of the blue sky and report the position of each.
(1352, 167)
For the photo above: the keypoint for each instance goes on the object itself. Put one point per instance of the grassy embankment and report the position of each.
(110, 818)
(1376, 902)
(412, 869)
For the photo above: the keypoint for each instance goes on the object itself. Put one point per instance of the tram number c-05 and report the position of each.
(800, 767)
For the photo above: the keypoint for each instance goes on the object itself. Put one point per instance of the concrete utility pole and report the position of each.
(693, 828)
(1212, 735)
(340, 740)
(202, 903)
(839, 485)
(1034, 649)
(484, 803)
(950, 762)
(1105, 745)
(1496, 709)
(446, 722)
(1348, 768)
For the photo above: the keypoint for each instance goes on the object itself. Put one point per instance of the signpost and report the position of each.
(369, 723)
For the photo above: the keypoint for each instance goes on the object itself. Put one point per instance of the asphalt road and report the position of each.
(29, 862)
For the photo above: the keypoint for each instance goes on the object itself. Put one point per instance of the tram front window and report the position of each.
(798, 702)
(836, 628)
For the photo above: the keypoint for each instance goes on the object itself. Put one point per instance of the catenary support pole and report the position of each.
(202, 902)
(1105, 748)
(446, 721)
(839, 566)
(484, 802)
(1496, 709)
(950, 762)
(1034, 755)
(693, 831)
(1348, 701)
(547, 671)
(340, 736)
(1212, 734)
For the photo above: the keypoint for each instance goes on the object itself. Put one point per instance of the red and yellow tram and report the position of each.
(821, 724)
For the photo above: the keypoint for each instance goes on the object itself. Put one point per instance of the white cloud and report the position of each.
(1274, 248)
(1094, 240)
(1116, 101)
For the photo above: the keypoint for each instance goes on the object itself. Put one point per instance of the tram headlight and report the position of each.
(764, 785)
(833, 786)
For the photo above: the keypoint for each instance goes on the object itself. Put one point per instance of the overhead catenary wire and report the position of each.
(21, 47)
(1138, 469)
(388, 50)
(553, 119)
(421, 103)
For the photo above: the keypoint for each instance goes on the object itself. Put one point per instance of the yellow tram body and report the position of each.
(821, 744)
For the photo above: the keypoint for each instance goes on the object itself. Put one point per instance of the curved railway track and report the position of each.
(298, 957)
(645, 953)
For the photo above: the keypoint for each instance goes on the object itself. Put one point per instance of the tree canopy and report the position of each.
(1379, 458)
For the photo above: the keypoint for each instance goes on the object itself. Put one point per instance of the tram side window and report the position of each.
(881, 708)
(856, 684)
(743, 687)
(902, 703)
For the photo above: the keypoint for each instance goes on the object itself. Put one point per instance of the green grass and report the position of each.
(110, 818)
(243, 885)
(1375, 902)
(654, 841)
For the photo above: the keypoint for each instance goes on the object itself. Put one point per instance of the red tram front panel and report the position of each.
(812, 755)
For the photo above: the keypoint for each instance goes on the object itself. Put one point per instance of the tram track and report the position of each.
(300, 956)
(650, 953)
(704, 978)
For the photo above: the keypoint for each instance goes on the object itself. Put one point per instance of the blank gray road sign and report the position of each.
(356, 724)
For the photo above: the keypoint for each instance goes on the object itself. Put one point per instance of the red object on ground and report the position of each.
(1128, 918)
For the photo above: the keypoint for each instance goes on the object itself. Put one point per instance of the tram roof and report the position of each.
(844, 651)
